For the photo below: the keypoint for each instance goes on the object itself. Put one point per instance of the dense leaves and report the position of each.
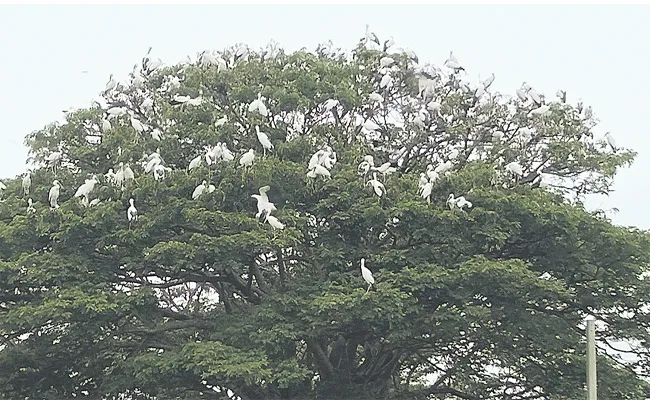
(197, 298)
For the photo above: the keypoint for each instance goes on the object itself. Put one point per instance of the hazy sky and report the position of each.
(597, 53)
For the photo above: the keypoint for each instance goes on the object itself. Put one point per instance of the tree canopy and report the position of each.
(195, 293)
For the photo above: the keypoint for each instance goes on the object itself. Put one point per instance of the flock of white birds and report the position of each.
(321, 162)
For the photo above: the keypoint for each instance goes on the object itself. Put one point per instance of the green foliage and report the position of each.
(198, 298)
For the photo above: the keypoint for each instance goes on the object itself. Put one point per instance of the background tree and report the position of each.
(198, 298)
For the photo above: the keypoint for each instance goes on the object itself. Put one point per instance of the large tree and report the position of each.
(199, 297)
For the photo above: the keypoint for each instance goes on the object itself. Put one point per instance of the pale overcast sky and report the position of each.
(597, 53)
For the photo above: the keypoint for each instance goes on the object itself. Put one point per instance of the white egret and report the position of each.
(94, 202)
(487, 82)
(115, 112)
(426, 191)
(110, 176)
(611, 142)
(515, 168)
(542, 111)
(156, 134)
(221, 121)
(386, 61)
(128, 173)
(247, 159)
(195, 163)
(422, 181)
(111, 84)
(330, 104)
(159, 172)
(264, 206)
(258, 106)
(226, 154)
(106, 125)
(53, 195)
(367, 274)
(363, 168)
(198, 191)
(137, 125)
(27, 183)
(370, 126)
(87, 187)
(315, 159)
(264, 140)
(375, 97)
(444, 167)
(152, 160)
(386, 82)
(53, 159)
(383, 168)
(274, 222)
(319, 170)
(30, 206)
(377, 186)
(434, 106)
(452, 63)
(131, 212)
(497, 136)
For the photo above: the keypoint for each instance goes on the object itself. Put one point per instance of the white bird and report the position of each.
(370, 126)
(330, 104)
(452, 63)
(247, 159)
(367, 274)
(159, 172)
(115, 112)
(226, 154)
(497, 136)
(384, 169)
(152, 160)
(110, 176)
(541, 111)
(27, 183)
(459, 202)
(111, 84)
(221, 121)
(30, 206)
(363, 168)
(195, 163)
(375, 97)
(3, 187)
(87, 187)
(137, 125)
(426, 191)
(53, 159)
(377, 186)
(488, 81)
(203, 187)
(132, 212)
(515, 168)
(319, 170)
(128, 173)
(386, 82)
(315, 159)
(53, 195)
(263, 139)
(386, 62)
(156, 134)
(264, 206)
(274, 222)
(434, 106)
(611, 142)
(259, 106)
(106, 125)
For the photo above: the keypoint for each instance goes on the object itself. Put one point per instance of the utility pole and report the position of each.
(592, 393)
